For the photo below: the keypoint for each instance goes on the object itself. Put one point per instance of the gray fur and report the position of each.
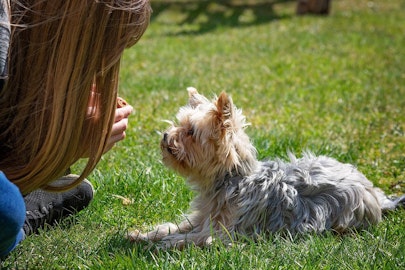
(311, 194)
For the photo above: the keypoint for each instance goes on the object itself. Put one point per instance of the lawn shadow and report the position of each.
(119, 246)
(225, 13)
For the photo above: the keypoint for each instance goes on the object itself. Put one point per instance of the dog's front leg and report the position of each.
(161, 231)
(181, 240)
(157, 234)
(199, 237)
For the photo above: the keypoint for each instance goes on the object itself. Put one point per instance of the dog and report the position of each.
(237, 195)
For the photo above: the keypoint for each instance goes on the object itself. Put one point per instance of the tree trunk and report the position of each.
(313, 7)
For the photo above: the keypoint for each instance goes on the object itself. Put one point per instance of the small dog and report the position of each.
(239, 195)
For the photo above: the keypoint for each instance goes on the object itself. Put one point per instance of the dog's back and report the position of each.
(307, 194)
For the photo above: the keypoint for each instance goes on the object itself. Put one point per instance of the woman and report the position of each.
(58, 103)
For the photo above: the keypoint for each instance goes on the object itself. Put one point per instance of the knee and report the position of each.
(12, 213)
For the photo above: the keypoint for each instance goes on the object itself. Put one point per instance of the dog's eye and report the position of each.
(190, 132)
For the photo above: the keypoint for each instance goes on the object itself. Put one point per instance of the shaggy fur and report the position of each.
(239, 195)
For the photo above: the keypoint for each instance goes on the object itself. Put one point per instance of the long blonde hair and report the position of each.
(58, 50)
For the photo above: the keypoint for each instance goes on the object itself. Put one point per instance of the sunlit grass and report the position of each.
(334, 85)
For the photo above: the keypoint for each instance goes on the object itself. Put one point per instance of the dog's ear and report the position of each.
(194, 98)
(225, 106)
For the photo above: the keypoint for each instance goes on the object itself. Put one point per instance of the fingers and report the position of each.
(119, 127)
(121, 102)
(120, 123)
(117, 132)
(123, 109)
(122, 113)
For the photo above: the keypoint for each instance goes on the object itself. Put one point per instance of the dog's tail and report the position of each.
(390, 203)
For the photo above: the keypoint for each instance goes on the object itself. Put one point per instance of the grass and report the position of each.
(334, 85)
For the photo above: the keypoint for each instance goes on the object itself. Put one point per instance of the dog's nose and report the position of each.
(165, 137)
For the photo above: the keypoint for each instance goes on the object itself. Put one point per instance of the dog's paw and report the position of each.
(171, 243)
(400, 202)
(175, 241)
(210, 241)
(137, 236)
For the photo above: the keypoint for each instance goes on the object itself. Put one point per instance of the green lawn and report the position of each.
(332, 84)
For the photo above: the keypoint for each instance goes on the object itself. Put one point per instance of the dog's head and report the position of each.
(208, 141)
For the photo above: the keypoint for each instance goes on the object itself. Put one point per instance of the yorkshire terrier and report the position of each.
(239, 195)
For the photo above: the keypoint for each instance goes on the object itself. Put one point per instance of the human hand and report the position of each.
(120, 123)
